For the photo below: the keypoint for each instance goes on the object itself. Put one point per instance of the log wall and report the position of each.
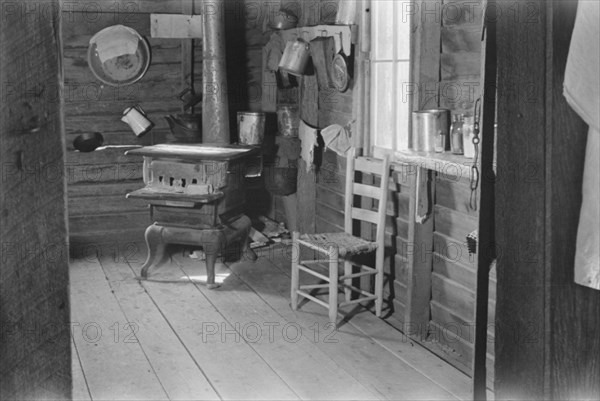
(98, 181)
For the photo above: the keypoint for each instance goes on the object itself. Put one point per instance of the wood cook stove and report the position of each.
(196, 195)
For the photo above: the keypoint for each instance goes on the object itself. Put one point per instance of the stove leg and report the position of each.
(157, 248)
(211, 259)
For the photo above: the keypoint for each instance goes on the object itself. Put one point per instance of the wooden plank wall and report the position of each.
(548, 343)
(311, 101)
(98, 181)
(35, 340)
(460, 59)
(454, 276)
(453, 271)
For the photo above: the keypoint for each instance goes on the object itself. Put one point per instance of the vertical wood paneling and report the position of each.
(574, 309)
(35, 348)
(542, 350)
(460, 61)
(521, 339)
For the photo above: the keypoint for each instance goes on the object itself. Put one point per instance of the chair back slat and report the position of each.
(366, 190)
(365, 215)
(368, 165)
(375, 167)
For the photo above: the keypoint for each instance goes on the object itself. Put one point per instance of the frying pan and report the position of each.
(88, 142)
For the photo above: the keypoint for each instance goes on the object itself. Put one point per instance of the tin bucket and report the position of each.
(426, 125)
(288, 121)
(346, 12)
(295, 57)
(251, 127)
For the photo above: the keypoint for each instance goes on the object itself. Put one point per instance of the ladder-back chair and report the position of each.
(340, 247)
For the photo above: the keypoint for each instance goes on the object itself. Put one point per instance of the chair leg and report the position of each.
(333, 283)
(379, 282)
(347, 270)
(295, 270)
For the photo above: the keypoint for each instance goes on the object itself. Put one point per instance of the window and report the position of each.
(390, 74)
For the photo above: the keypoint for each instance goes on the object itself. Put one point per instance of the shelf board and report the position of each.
(445, 163)
(344, 35)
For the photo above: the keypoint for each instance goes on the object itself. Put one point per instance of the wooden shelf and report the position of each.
(344, 35)
(446, 163)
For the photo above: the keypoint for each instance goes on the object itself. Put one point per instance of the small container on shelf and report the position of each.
(456, 135)
(468, 134)
(440, 142)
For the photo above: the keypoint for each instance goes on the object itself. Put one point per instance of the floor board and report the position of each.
(80, 389)
(284, 346)
(416, 356)
(241, 341)
(115, 367)
(372, 365)
(177, 371)
(233, 367)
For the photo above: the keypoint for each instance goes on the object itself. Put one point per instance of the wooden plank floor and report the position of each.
(170, 337)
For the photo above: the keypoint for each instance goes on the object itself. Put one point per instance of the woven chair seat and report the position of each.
(347, 244)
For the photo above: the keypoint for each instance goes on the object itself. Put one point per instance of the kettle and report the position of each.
(186, 127)
(136, 118)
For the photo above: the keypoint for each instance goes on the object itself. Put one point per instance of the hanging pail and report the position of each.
(251, 127)
(426, 125)
(295, 57)
(346, 12)
(288, 121)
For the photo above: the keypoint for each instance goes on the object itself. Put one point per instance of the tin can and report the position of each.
(251, 127)
(295, 57)
(426, 126)
(288, 121)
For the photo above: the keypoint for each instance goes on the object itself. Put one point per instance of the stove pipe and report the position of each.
(215, 107)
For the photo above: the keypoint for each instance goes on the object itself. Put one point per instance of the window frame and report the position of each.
(401, 9)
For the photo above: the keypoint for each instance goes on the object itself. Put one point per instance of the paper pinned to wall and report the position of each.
(176, 26)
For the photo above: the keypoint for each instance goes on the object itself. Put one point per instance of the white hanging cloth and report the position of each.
(337, 138)
(582, 91)
(308, 137)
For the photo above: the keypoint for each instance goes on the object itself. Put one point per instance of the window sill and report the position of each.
(445, 163)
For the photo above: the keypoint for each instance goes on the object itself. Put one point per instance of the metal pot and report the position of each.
(186, 127)
(284, 20)
(295, 57)
(346, 12)
(251, 127)
(426, 124)
(288, 121)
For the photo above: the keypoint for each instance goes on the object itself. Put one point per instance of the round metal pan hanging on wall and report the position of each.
(118, 55)
(339, 72)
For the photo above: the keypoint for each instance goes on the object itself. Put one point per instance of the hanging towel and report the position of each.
(582, 91)
(587, 254)
(336, 138)
(308, 137)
